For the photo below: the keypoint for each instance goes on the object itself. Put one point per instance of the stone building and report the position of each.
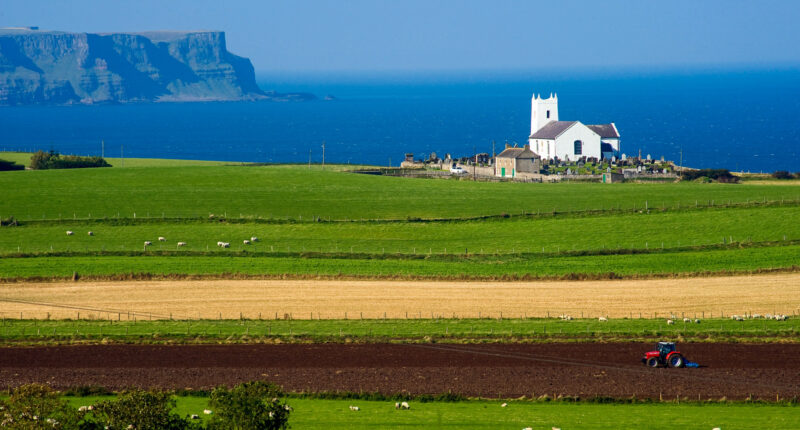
(516, 160)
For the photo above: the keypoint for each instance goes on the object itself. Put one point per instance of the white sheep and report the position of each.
(226, 244)
(602, 319)
(405, 405)
(147, 243)
(90, 233)
(181, 243)
(755, 316)
(162, 239)
(246, 242)
(687, 320)
(219, 243)
(397, 405)
(670, 322)
(504, 405)
(253, 239)
(208, 411)
(697, 321)
(70, 233)
(195, 417)
(716, 428)
(528, 428)
(83, 409)
(354, 408)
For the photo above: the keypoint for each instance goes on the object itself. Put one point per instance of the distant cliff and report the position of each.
(63, 68)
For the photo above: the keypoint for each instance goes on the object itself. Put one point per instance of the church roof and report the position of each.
(552, 129)
(523, 152)
(605, 130)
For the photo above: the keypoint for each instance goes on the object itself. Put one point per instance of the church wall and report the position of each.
(565, 143)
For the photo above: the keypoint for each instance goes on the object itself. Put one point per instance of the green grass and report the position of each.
(551, 235)
(24, 158)
(486, 414)
(510, 266)
(295, 191)
(124, 327)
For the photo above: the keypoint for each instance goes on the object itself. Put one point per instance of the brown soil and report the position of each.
(332, 299)
(497, 370)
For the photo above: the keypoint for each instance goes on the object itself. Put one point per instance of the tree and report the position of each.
(249, 406)
(6, 165)
(35, 407)
(41, 160)
(781, 174)
(140, 410)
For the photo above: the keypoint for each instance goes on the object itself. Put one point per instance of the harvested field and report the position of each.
(326, 299)
(730, 370)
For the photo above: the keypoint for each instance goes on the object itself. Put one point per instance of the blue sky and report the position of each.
(442, 36)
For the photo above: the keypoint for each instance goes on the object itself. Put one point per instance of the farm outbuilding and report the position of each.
(516, 160)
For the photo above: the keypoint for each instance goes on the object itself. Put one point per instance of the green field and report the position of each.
(482, 414)
(121, 328)
(333, 222)
(731, 260)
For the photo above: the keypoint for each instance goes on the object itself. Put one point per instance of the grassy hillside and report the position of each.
(296, 191)
(24, 158)
(283, 205)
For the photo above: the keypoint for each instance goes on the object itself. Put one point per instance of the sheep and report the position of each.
(528, 428)
(181, 243)
(287, 408)
(147, 243)
(555, 428)
(70, 233)
(504, 405)
(208, 411)
(195, 417)
(687, 320)
(90, 233)
(162, 239)
(397, 405)
(219, 243)
(84, 408)
(670, 322)
(755, 316)
(737, 318)
(405, 405)
(254, 239)
(354, 408)
(716, 428)
(602, 319)
(246, 242)
(697, 321)
(226, 244)
(565, 317)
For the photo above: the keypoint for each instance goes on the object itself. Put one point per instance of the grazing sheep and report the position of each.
(91, 233)
(147, 243)
(70, 233)
(226, 244)
(83, 409)
(687, 320)
(254, 239)
(181, 243)
(716, 428)
(208, 411)
(355, 408)
(219, 243)
(602, 319)
(697, 321)
(405, 405)
(670, 322)
(397, 405)
(246, 242)
(737, 318)
(555, 428)
(504, 405)
(528, 428)
(162, 239)
(288, 408)
(755, 316)
(195, 417)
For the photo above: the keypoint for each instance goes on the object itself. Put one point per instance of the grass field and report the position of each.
(729, 260)
(395, 330)
(24, 158)
(295, 191)
(479, 414)
(337, 299)
(550, 235)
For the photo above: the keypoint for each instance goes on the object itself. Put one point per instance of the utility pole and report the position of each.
(323, 155)
(474, 164)
(493, 154)
(122, 154)
(102, 149)
(680, 164)
(309, 158)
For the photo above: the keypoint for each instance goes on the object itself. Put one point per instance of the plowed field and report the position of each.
(501, 370)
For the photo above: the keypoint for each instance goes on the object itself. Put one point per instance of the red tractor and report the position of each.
(664, 355)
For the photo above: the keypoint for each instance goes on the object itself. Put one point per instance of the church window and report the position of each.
(548, 114)
(578, 147)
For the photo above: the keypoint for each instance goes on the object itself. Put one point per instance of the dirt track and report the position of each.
(735, 371)
(774, 293)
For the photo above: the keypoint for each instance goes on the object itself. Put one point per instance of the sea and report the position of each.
(744, 119)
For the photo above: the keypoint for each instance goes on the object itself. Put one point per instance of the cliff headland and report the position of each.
(67, 68)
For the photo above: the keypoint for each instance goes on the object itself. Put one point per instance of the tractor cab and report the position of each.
(665, 354)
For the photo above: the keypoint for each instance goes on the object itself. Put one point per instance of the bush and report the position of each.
(248, 406)
(37, 407)
(140, 410)
(6, 165)
(53, 160)
(719, 175)
(782, 174)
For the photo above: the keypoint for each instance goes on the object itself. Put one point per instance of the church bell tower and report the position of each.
(543, 111)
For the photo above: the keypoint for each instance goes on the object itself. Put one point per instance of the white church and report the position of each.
(568, 140)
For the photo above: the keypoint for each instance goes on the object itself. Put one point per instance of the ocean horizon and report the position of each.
(738, 119)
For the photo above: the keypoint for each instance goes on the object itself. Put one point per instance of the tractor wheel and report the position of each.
(676, 360)
(653, 362)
